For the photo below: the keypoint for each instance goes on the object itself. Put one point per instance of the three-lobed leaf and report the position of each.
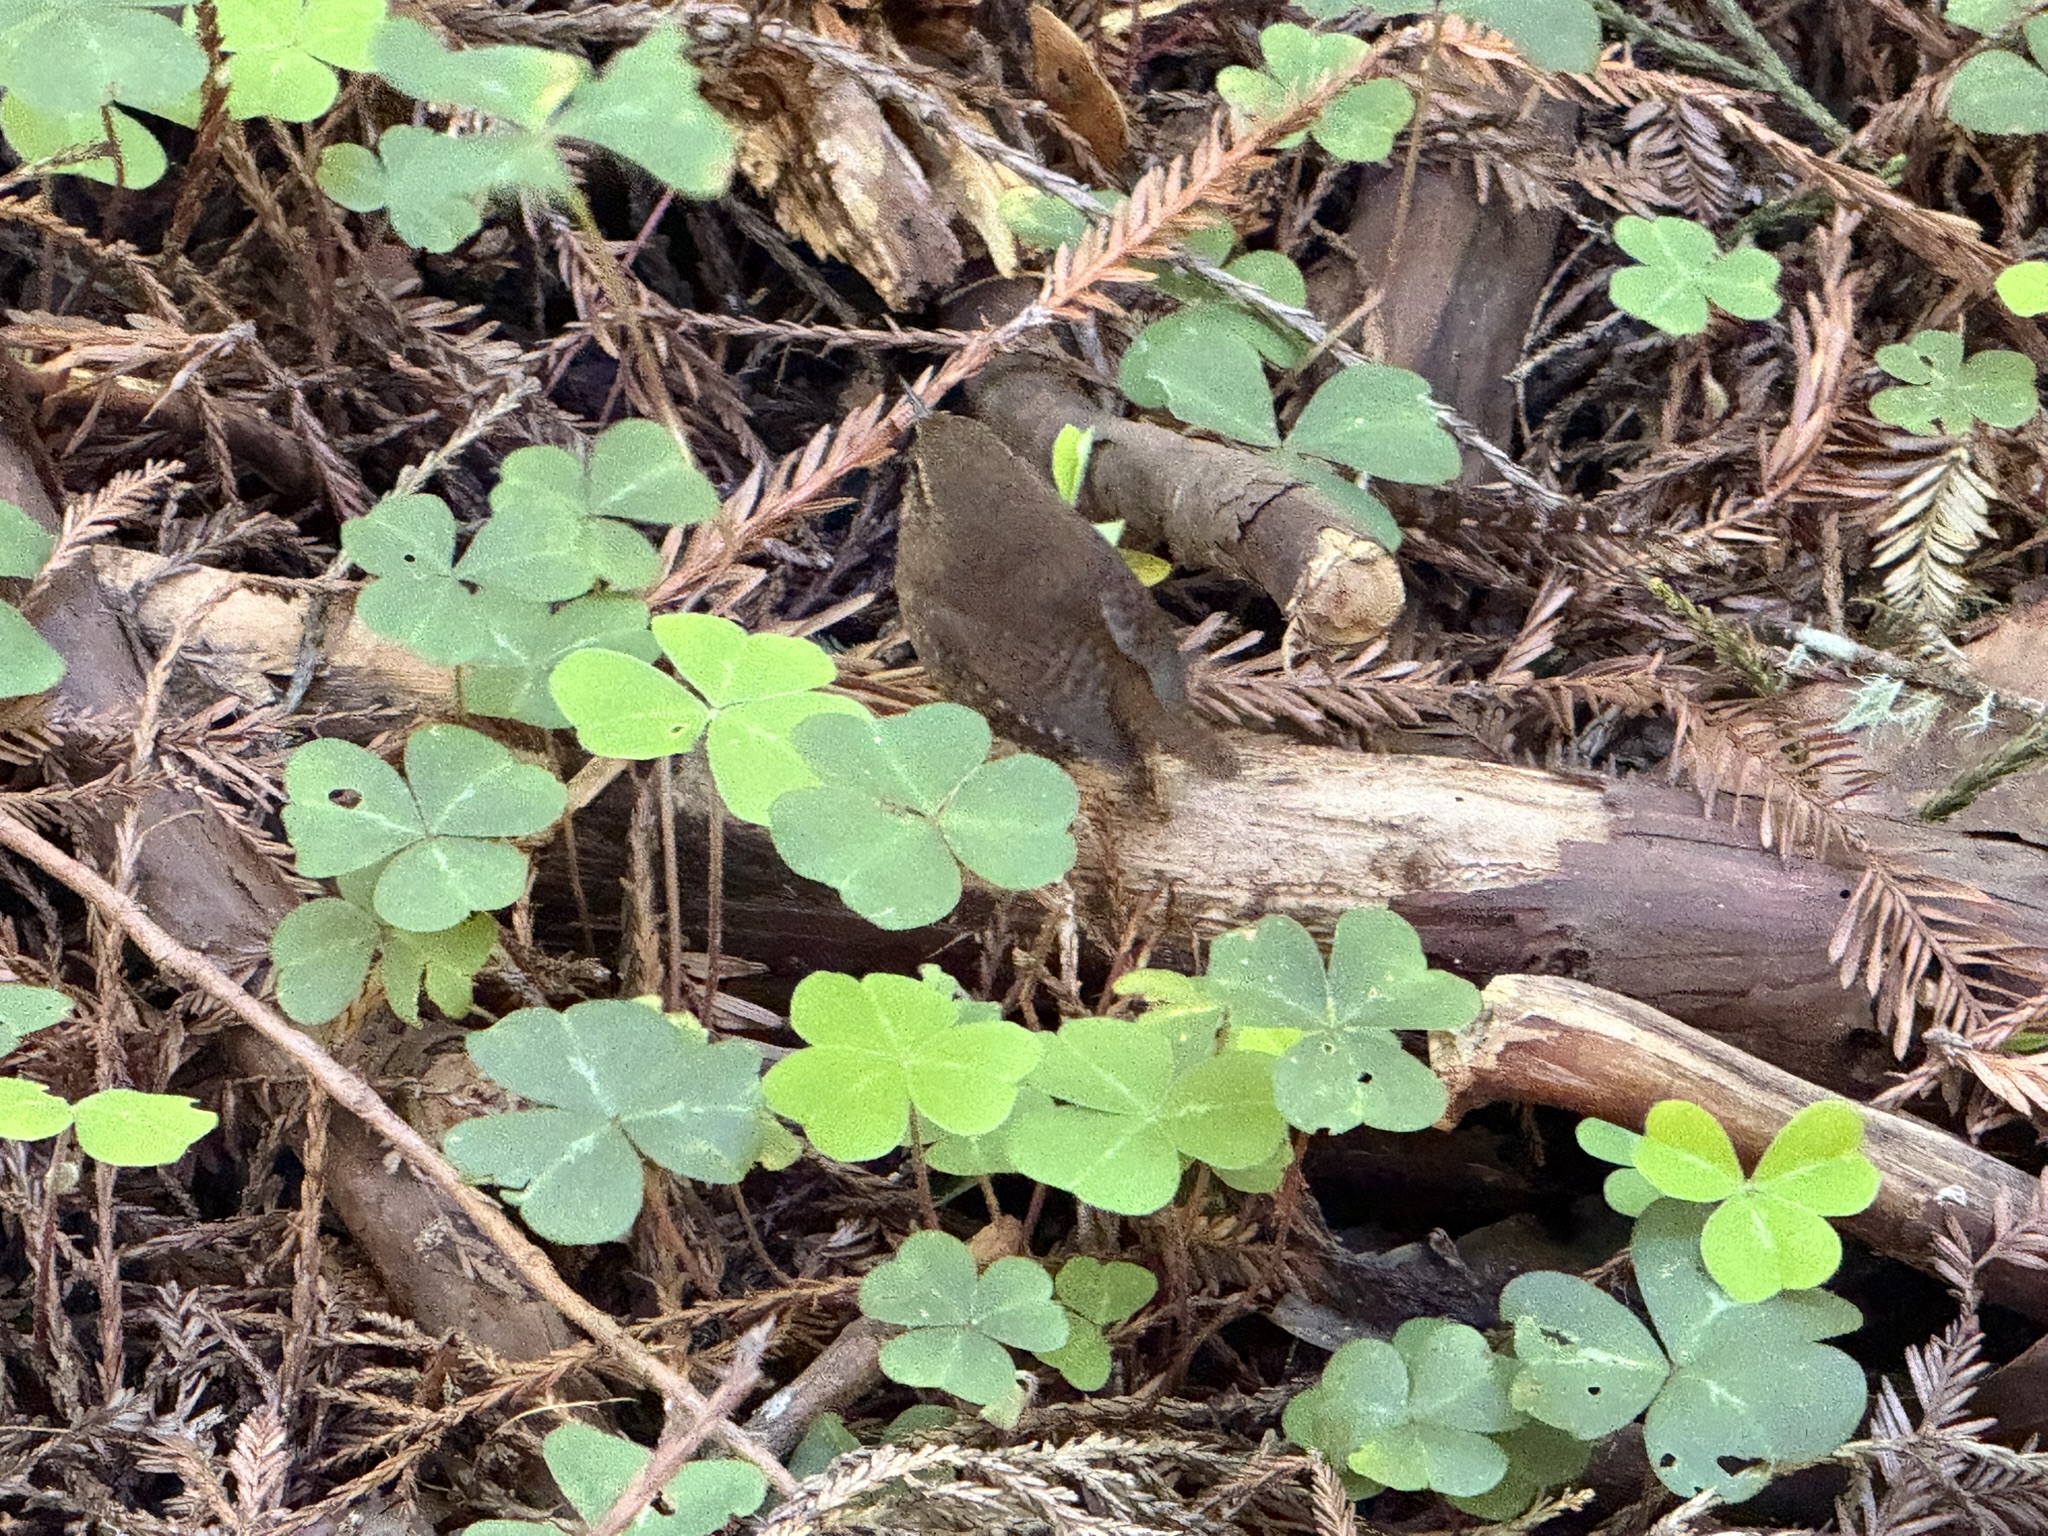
(645, 107)
(957, 1323)
(1129, 1113)
(1682, 269)
(902, 802)
(618, 1080)
(1096, 1296)
(559, 525)
(879, 1047)
(282, 54)
(1741, 1387)
(1770, 1231)
(593, 1469)
(1940, 387)
(1339, 1065)
(746, 693)
(1414, 1413)
(442, 826)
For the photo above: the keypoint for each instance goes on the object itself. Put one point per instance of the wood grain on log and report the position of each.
(1547, 1040)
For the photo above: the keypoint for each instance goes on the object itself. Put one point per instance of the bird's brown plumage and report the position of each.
(1022, 610)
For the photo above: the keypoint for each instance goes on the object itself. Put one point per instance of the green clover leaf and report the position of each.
(1743, 1386)
(1105, 1294)
(882, 1046)
(282, 54)
(29, 1111)
(558, 525)
(645, 107)
(1361, 124)
(76, 56)
(509, 675)
(323, 952)
(407, 546)
(1096, 1296)
(1203, 364)
(64, 141)
(1770, 1231)
(2024, 287)
(593, 1469)
(1130, 1113)
(1551, 34)
(746, 693)
(435, 185)
(25, 1009)
(1339, 1064)
(620, 1081)
(1772, 1235)
(900, 800)
(138, 1130)
(1415, 1413)
(1380, 421)
(1940, 387)
(1682, 269)
(442, 964)
(1999, 92)
(1750, 1383)
(956, 1323)
(442, 826)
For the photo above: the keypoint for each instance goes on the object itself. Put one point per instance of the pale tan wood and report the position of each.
(1546, 1040)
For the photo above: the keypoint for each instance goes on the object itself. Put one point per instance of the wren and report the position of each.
(1020, 609)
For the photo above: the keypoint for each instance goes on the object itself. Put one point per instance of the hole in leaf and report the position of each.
(1667, 1460)
(1592, 1389)
(1735, 1466)
(347, 799)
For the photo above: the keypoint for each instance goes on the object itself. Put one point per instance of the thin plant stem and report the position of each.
(577, 893)
(988, 1198)
(617, 284)
(921, 1173)
(1032, 1211)
(671, 884)
(360, 1099)
(1198, 1194)
(739, 1203)
(714, 898)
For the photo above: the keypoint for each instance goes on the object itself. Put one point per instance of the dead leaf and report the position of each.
(1068, 80)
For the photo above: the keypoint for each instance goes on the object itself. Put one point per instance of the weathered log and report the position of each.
(1620, 883)
(1547, 1040)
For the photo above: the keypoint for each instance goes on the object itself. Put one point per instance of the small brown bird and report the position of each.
(1022, 610)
